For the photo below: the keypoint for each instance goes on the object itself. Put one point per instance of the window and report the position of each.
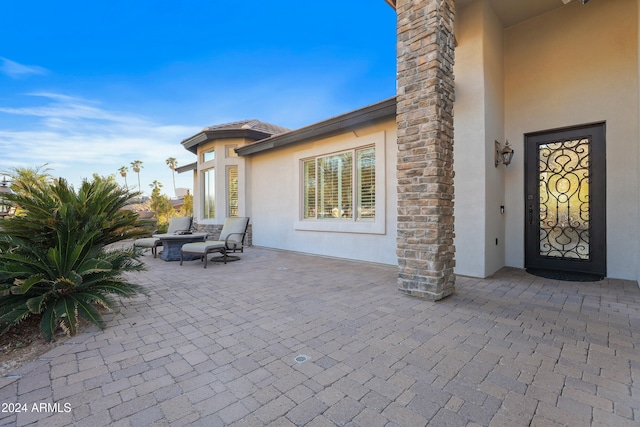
(209, 194)
(208, 156)
(366, 173)
(329, 190)
(232, 191)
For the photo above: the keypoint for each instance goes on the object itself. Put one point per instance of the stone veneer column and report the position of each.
(425, 148)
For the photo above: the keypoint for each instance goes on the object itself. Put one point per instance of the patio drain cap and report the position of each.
(301, 358)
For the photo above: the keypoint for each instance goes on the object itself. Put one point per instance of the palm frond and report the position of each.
(67, 314)
(53, 260)
(48, 323)
(84, 303)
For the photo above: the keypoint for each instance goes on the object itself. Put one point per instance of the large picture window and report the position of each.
(332, 184)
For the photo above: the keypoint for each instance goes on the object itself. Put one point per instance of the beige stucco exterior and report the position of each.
(478, 122)
(219, 164)
(274, 186)
(576, 64)
(572, 65)
(579, 65)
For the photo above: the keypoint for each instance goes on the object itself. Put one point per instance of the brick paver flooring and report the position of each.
(218, 347)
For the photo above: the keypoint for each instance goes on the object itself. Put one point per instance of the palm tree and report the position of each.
(55, 264)
(136, 165)
(172, 163)
(123, 173)
(156, 185)
(24, 178)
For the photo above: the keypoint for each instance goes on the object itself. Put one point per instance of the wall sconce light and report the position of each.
(503, 154)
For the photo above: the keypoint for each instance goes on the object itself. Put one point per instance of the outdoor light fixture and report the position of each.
(503, 154)
(5, 207)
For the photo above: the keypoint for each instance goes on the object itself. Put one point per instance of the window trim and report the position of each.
(351, 225)
(211, 151)
(203, 208)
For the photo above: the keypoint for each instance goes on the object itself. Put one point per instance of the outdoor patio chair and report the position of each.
(176, 225)
(231, 240)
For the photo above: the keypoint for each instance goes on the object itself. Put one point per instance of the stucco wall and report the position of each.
(478, 122)
(578, 64)
(273, 186)
(494, 125)
(469, 142)
(221, 162)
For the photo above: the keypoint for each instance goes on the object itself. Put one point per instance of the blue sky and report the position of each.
(91, 86)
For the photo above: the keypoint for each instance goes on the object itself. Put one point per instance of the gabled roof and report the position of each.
(250, 129)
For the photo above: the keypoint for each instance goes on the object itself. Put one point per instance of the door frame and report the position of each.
(597, 191)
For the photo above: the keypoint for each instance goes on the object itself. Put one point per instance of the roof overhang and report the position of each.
(512, 12)
(193, 142)
(186, 168)
(364, 116)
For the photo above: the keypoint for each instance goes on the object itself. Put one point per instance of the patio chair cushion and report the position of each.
(233, 232)
(177, 224)
(202, 248)
(146, 242)
(181, 223)
(231, 240)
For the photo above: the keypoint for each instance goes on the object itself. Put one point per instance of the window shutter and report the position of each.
(232, 191)
(329, 190)
(366, 183)
(335, 175)
(309, 189)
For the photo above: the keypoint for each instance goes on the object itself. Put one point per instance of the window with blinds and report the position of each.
(209, 196)
(309, 196)
(232, 191)
(329, 191)
(366, 173)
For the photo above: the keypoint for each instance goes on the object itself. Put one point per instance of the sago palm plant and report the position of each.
(54, 259)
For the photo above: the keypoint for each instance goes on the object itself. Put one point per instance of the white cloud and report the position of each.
(78, 138)
(16, 70)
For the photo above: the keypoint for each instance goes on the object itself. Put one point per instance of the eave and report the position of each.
(193, 142)
(186, 168)
(364, 116)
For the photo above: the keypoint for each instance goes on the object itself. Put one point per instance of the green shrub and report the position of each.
(54, 258)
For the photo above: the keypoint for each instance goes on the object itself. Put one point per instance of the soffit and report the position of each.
(512, 12)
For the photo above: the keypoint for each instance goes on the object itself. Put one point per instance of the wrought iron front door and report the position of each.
(565, 199)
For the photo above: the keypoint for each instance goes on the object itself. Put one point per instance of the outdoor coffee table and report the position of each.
(172, 243)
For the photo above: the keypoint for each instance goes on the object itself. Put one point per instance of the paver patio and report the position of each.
(217, 347)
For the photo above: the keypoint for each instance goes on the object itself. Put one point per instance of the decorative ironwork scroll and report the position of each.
(564, 174)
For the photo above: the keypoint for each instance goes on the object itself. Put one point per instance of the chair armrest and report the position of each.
(241, 242)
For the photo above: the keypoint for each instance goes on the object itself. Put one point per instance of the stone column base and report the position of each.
(436, 293)
(430, 296)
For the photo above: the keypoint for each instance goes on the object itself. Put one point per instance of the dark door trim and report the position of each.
(597, 262)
